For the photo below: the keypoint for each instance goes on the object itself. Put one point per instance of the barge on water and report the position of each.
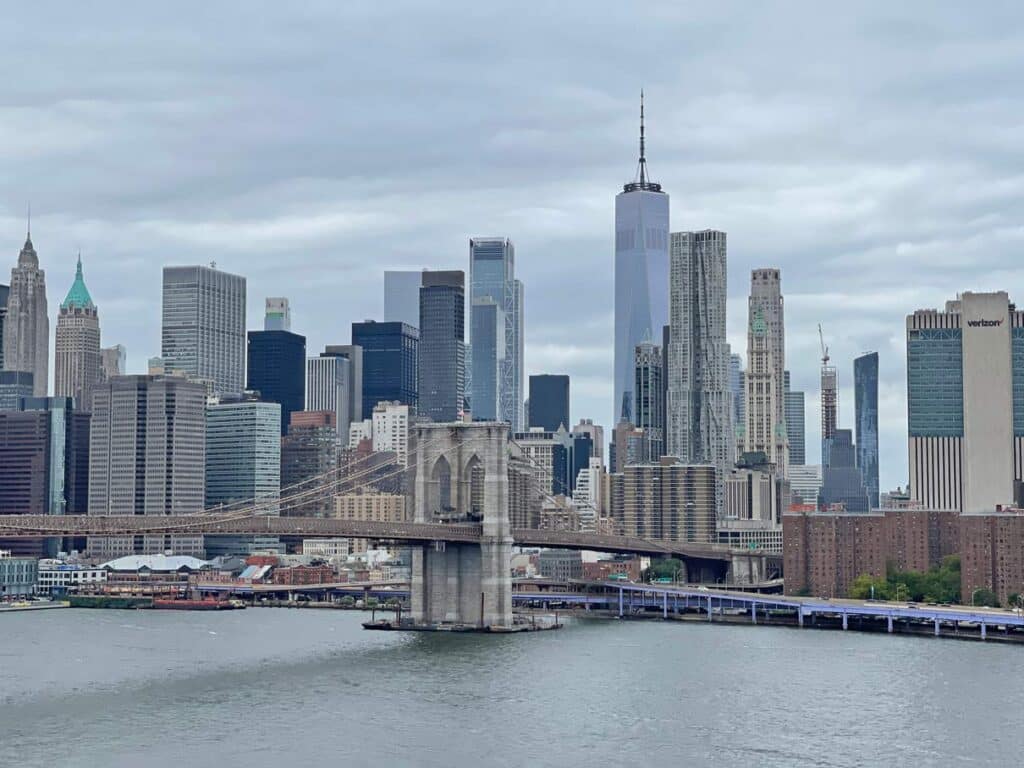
(387, 625)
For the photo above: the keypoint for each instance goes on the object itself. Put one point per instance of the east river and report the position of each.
(289, 688)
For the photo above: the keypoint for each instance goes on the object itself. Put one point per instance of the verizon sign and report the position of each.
(984, 323)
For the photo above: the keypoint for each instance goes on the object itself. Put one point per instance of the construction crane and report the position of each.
(824, 349)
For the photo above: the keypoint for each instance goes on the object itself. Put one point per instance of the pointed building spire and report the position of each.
(642, 180)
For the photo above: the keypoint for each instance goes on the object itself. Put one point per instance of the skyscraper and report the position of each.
(641, 273)
(829, 404)
(4, 293)
(389, 362)
(700, 401)
(493, 282)
(278, 315)
(739, 411)
(354, 354)
(650, 414)
(766, 361)
(113, 361)
(77, 366)
(26, 334)
(243, 464)
(402, 296)
(865, 383)
(203, 332)
(442, 349)
(549, 401)
(795, 424)
(842, 483)
(965, 403)
(328, 388)
(276, 363)
(147, 456)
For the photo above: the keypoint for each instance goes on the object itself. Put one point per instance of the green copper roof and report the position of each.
(78, 296)
(758, 325)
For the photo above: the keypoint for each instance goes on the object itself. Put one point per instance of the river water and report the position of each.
(289, 688)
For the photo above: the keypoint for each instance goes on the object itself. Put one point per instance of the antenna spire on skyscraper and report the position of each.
(642, 181)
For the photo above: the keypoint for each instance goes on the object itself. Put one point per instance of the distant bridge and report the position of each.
(228, 524)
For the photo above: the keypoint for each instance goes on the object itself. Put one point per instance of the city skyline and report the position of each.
(551, 159)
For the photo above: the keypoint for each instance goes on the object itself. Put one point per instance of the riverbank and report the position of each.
(35, 605)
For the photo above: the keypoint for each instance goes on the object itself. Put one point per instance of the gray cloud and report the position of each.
(870, 151)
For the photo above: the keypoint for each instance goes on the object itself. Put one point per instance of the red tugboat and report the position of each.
(206, 604)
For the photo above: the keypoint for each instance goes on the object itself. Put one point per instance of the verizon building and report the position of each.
(965, 400)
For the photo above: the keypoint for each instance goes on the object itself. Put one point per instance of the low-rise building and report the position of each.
(560, 564)
(57, 577)
(18, 575)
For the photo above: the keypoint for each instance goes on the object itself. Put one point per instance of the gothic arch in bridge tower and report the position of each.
(463, 583)
(439, 490)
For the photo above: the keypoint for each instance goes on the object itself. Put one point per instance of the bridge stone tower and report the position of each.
(462, 476)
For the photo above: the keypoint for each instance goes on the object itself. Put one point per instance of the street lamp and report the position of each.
(904, 586)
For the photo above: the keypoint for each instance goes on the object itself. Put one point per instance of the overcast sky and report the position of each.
(871, 151)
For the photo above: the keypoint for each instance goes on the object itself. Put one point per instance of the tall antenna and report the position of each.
(28, 230)
(643, 160)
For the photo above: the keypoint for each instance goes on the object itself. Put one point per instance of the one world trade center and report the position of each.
(641, 274)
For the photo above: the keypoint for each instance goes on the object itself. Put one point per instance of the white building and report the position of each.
(391, 430)
(359, 431)
(805, 483)
(203, 333)
(278, 315)
(58, 576)
(588, 494)
(328, 386)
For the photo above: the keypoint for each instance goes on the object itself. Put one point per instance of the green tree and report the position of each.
(860, 588)
(985, 596)
(663, 568)
(348, 601)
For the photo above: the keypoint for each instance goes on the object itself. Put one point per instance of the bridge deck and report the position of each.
(317, 527)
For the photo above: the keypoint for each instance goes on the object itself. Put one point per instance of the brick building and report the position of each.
(825, 551)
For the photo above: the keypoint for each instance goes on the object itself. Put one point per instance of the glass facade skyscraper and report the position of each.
(549, 402)
(442, 349)
(402, 296)
(641, 274)
(795, 428)
(500, 340)
(276, 369)
(865, 383)
(389, 362)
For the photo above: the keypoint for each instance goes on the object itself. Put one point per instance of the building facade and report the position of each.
(77, 363)
(764, 378)
(492, 281)
(203, 333)
(243, 467)
(26, 336)
(805, 483)
(309, 458)
(329, 387)
(275, 368)
(402, 296)
(147, 456)
(549, 402)
(865, 389)
(278, 315)
(369, 505)
(666, 501)
(795, 429)
(14, 385)
(700, 400)
(842, 484)
(354, 354)
(641, 274)
(391, 429)
(390, 353)
(965, 403)
(442, 348)
(5, 291)
(113, 361)
(648, 392)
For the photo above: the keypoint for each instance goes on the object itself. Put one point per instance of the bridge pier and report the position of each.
(462, 471)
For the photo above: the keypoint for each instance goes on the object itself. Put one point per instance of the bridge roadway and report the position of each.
(323, 527)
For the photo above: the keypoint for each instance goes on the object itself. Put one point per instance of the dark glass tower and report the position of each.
(865, 386)
(389, 362)
(441, 371)
(277, 370)
(549, 402)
